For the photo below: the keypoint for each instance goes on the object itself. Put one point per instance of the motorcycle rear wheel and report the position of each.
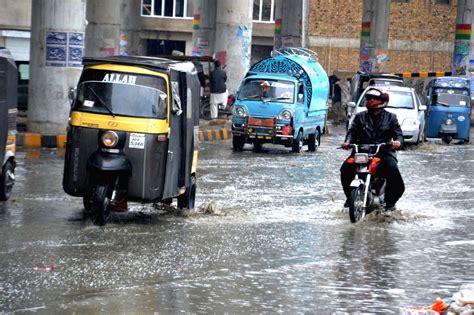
(356, 205)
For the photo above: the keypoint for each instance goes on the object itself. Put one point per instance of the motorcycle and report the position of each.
(368, 189)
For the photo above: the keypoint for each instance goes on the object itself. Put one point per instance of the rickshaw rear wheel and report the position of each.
(238, 143)
(187, 200)
(7, 179)
(100, 210)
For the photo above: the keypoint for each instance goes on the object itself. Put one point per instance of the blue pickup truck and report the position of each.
(283, 99)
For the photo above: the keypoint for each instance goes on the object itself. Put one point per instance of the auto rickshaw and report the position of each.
(8, 112)
(132, 134)
(449, 109)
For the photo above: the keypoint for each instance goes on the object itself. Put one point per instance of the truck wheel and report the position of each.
(238, 143)
(187, 200)
(101, 194)
(7, 179)
(257, 147)
(314, 141)
(297, 144)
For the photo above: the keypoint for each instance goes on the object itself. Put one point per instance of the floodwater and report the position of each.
(270, 236)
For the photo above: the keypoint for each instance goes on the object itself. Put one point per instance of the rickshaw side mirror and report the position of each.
(72, 94)
(351, 104)
(423, 107)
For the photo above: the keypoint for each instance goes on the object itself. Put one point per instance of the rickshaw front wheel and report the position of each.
(447, 139)
(7, 179)
(187, 200)
(100, 210)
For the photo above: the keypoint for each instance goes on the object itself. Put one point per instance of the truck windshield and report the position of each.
(268, 90)
(120, 99)
(451, 100)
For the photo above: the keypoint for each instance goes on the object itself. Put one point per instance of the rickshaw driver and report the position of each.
(376, 125)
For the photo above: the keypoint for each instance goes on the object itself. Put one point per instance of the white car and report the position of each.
(405, 103)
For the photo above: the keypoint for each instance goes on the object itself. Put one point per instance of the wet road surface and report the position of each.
(277, 239)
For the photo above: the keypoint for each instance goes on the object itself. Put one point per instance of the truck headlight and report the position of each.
(285, 114)
(239, 111)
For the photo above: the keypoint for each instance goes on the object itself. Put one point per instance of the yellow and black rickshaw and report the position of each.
(8, 111)
(132, 134)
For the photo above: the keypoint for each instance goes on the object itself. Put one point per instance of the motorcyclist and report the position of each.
(376, 125)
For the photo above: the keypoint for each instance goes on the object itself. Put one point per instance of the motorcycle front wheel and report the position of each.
(356, 205)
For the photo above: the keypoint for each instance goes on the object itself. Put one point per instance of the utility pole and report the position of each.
(204, 28)
(463, 56)
(374, 35)
(291, 23)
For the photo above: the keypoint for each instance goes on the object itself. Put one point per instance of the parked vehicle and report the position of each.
(133, 134)
(449, 109)
(283, 100)
(8, 112)
(368, 189)
(405, 103)
(361, 80)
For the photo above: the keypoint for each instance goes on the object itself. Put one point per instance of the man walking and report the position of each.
(218, 79)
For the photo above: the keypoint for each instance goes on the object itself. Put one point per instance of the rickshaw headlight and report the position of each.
(110, 139)
(448, 121)
(461, 118)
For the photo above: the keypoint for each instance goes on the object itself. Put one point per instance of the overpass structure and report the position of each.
(62, 32)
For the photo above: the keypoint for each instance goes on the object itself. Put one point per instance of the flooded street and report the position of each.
(275, 238)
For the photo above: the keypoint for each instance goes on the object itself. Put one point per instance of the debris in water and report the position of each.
(49, 268)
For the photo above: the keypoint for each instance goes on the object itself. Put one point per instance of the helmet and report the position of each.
(376, 99)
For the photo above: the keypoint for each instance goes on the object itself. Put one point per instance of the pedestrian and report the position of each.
(218, 79)
(376, 125)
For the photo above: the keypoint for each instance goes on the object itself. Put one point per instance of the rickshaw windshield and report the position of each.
(268, 90)
(446, 99)
(120, 99)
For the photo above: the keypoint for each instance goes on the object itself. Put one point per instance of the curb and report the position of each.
(36, 140)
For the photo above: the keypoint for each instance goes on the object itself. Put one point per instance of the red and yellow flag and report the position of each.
(365, 30)
(463, 31)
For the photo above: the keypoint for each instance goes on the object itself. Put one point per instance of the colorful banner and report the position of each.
(463, 31)
(277, 26)
(365, 30)
(196, 21)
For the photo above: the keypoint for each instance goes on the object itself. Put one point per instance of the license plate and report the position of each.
(137, 141)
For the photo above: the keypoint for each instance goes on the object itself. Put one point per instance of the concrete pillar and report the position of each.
(204, 28)
(103, 28)
(234, 39)
(374, 35)
(291, 23)
(57, 47)
(463, 42)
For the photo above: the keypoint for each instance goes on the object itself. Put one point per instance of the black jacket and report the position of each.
(366, 130)
(217, 80)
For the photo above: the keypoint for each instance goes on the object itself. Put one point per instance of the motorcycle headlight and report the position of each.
(410, 122)
(361, 158)
(239, 111)
(110, 139)
(448, 121)
(285, 114)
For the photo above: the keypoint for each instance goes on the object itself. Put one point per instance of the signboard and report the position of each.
(64, 49)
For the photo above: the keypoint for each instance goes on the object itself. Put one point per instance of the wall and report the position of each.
(421, 35)
(15, 15)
